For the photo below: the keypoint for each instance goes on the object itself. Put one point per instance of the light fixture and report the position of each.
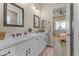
(61, 12)
(36, 8)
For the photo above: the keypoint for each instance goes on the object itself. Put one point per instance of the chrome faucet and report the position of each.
(18, 34)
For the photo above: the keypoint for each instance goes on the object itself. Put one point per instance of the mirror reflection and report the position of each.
(14, 15)
(11, 17)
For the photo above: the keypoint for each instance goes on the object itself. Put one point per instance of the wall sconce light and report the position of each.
(36, 8)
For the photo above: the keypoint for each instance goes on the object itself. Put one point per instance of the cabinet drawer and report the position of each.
(8, 52)
(24, 49)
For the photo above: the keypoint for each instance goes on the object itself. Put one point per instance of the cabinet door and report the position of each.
(45, 39)
(22, 49)
(34, 47)
(38, 44)
(8, 52)
(41, 43)
(27, 48)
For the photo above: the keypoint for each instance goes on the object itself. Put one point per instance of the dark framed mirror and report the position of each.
(13, 15)
(36, 21)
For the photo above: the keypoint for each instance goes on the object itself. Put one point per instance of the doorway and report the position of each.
(63, 30)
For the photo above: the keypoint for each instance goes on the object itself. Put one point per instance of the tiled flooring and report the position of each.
(48, 51)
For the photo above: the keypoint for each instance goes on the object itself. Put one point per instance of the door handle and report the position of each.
(26, 52)
(36, 39)
(45, 39)
(68, 34)
(29, 51)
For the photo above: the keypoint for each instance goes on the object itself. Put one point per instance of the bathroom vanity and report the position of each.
(29, 45)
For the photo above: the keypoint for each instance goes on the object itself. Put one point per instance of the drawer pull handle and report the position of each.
(26, 52)
(40, 37)
(29, 51)
(36, 39)
(44, 39)
(6, 53)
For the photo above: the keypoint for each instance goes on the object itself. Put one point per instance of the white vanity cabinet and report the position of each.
(32, 47)
(24, 48)
(28, 47)
(8, 52)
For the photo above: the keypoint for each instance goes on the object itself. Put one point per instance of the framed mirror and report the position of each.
(13, 15)
(43, 23)
(36, 21)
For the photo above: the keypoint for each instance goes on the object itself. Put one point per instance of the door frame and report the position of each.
(71, 29)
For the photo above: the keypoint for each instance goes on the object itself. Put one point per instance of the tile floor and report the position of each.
(48, 51)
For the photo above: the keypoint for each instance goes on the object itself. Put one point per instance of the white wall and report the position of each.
(28, 19)
(76, 29)
(46, 13)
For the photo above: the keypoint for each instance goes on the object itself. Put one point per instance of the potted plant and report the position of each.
(30, 30)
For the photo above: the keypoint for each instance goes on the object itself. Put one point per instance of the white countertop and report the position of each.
(10, 41)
